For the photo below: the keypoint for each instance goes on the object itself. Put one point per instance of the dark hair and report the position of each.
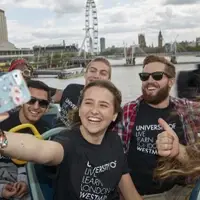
(103, 60)
(73, 116)
(39, 85)
(169, 67)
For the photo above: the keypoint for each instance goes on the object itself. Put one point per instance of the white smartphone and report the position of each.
(13, 91)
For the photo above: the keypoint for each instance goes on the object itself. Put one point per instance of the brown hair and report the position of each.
(169, 67)
(171, 167)
(103, 60)
(73, 116)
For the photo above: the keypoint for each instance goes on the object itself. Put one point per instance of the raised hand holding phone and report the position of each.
(13, 91)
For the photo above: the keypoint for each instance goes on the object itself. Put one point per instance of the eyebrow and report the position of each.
(93, 68)
(89, 99)
(102, 70)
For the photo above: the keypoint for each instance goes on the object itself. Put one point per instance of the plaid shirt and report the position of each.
(188, 111)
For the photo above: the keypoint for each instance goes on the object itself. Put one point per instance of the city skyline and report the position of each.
(47, 22)
(102, 44)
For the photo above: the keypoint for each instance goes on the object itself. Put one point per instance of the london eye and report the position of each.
(91, 28)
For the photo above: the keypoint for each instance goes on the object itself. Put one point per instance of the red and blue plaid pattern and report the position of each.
(188, 111)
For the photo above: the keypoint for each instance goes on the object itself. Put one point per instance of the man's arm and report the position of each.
(192, 121)
(123, 125)
(118, 128)
(57, 95)
(182, 155)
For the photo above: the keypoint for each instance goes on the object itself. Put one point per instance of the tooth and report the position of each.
(93, 119)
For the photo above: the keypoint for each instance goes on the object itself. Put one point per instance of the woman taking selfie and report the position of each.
(90, 158)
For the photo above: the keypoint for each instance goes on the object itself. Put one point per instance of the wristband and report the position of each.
(3, 140)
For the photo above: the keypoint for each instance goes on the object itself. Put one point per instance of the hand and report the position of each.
(3, 116)
(167, 142)
(57, 96)
(9, 191)
(21, 188)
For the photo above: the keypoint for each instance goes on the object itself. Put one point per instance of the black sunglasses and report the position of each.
(157, 76)
(42, 103)
(26, 72)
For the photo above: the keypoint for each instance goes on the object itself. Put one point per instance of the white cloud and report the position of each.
(118, 21)
(182, 2)
(58, 6)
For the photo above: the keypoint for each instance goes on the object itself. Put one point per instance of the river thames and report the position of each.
(125, 78)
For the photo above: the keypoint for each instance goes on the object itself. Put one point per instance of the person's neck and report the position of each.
(163, 104)
(91, 138)
(22, 118)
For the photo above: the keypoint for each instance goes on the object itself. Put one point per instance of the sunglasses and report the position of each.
(157, 76)
(26, 72)
(42, 103)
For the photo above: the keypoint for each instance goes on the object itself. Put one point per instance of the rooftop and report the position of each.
(1, 10)
(4, 46)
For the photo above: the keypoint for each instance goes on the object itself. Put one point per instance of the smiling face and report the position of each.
(34, 110)
(97, 110)
(97, 70)
(21, 67)
(156, 91)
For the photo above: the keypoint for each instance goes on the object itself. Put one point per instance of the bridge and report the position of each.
(5, 58)
(120, 56)
(58, 73)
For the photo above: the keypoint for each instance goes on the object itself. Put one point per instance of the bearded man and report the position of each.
(139, 128)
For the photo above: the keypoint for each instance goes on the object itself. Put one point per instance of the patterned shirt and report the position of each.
(188, 111)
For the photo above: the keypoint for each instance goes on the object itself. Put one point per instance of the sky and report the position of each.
(43, 22)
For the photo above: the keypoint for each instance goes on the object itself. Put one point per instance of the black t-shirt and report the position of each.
(89, 171)
(69, 102)
(13, 121)
(143, 155)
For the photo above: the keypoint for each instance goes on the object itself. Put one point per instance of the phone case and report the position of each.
(13, 91)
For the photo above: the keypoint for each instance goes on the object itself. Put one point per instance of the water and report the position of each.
(125, 78)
